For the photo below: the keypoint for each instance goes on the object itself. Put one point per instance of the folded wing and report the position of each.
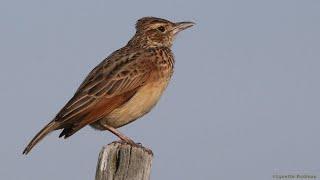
(104, 90)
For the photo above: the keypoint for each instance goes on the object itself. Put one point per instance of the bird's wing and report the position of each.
(107, 87)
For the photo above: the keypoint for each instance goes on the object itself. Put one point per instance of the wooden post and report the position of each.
(121, 161)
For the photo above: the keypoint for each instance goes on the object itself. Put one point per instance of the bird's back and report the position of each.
(148, 95)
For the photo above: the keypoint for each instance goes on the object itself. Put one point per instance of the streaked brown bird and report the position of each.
(124, 86)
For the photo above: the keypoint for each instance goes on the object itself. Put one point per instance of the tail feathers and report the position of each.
(46, 130)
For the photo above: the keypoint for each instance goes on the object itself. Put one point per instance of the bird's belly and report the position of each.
(141, 103)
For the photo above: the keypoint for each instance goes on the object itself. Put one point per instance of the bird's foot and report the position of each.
(128, 141)
(132, 143)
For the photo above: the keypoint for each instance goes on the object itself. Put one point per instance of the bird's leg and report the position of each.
(119, 134)
(125, 138)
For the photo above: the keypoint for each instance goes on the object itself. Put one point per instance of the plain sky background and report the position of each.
(243, 103)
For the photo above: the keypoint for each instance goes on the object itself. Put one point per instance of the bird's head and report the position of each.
(157, 32)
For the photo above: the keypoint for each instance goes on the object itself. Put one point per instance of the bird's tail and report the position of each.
(44, 131)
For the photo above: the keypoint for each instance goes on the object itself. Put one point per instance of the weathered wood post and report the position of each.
(121, 161)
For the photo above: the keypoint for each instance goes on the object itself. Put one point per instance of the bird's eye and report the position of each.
(161, 29)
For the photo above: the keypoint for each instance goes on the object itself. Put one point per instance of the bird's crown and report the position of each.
(155, 32)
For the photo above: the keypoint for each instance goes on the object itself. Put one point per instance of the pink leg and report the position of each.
(119, 134)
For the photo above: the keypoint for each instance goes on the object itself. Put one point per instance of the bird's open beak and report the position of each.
(179, 26)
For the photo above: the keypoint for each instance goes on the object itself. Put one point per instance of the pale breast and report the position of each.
(141, 103)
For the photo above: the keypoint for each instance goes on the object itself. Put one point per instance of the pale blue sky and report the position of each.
(243, 103)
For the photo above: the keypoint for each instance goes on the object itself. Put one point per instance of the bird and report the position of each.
(124, 86)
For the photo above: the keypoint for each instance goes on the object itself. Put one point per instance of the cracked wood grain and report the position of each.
(121, 161)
